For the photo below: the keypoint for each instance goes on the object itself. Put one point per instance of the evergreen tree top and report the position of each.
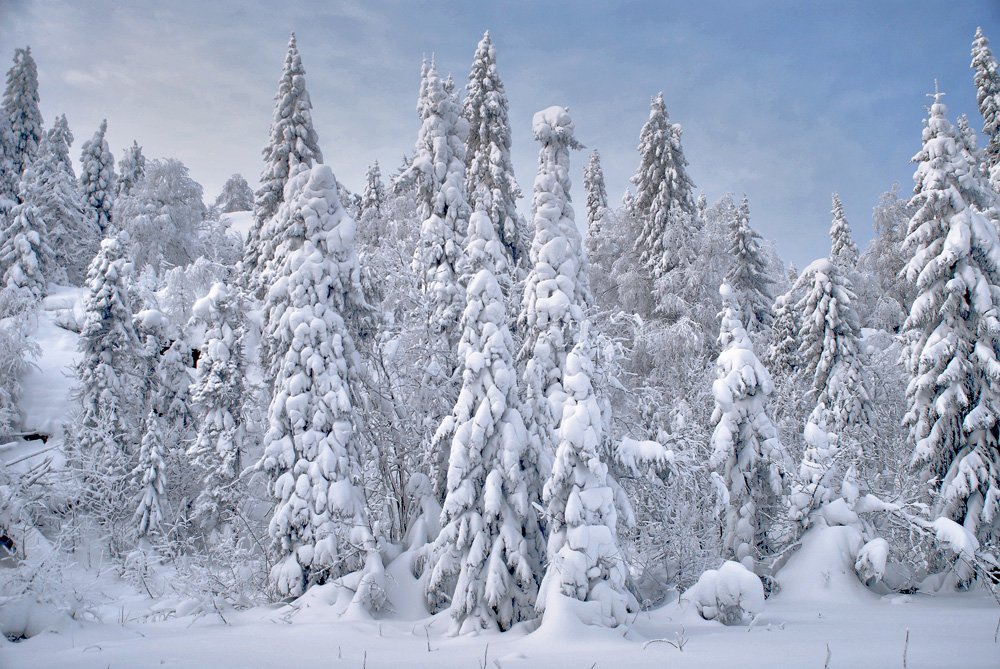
(843, 250)
(20, 106)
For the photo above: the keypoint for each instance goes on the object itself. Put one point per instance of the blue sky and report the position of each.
(787, 101)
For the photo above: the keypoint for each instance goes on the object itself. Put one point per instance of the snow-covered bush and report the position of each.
(728, 594)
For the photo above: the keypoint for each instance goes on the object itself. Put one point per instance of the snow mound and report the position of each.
(822, 569)
(727, 594)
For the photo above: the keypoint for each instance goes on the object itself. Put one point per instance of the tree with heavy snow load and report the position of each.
(557, 290)
(486, 558)
(236, 195)
(597, 194)
(72, 236)
(954, 334)
(843, 251)
(313, 457)
(438, 171)
(292, 141)
(832, 357)
(745, 444)
(218, 395)
(151, 477)
(131, 168)
(585, 562)
(97, 180)
(24, 249)
(20, 110)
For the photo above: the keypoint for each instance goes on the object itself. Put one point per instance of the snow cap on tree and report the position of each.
(20, 107)
(97, 179)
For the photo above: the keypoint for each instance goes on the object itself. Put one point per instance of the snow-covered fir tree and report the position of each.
(109, 348)
(953, 332)
(97, 180)
(833, 359)
(987, 81)
(236, 195)
(663, 200)
(597, 194)
(557, 290)
(151, 478)
(218, 396)
(72, 236)
(490, 176)
(885, 295)
(438, 170)
(313, 456)
(20, 110)
(488, 554)
(8, 177)
(292, 140)
(748, 276)
(782, 354)
(844, 251)
(24, 250)
(131, 169)
(744, 443)
(585, 561)
(373, 197)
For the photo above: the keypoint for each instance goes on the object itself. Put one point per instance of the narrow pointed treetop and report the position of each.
(60, 138)
(843, 251)
(292, 137)
(663, 187)
(987, 81)
(597, 194)
(132, 168)
(97, 179)
(20, 106)
(374, 195)
(490, 181)
(748, 277)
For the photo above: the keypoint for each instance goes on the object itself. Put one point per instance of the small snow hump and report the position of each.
(552, 122)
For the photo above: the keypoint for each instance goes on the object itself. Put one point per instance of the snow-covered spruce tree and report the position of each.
(745, 444)
(374, 196)
(843, 251)
(490, 175)
(9, 179)
(20, 108)
(97, 180)
(833, 359)
(782, 356)
(953, 329)
(584, 559)
(597, 194)
(987, 81)
(218, 395)
(557, 290)
(748, 276)
(663, 200)
(151, 477)
(485, 559)
(109, 348)
(163, 214)
(292, 140)
(24, 249)
(885, 296)
(236, 195)
(131, 168)
(438, 169)
(72, 237)
(313, 457)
